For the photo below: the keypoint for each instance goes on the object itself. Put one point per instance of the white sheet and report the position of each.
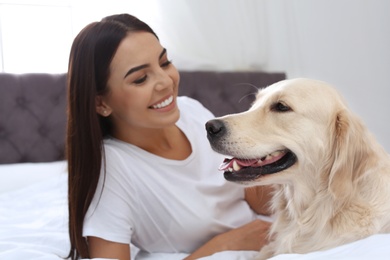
(33, 217)
(33, 221)
(17, 176)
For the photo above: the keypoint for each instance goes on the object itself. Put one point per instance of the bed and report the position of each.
(33, 178)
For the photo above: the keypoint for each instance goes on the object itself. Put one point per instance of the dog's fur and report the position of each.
(338, 190)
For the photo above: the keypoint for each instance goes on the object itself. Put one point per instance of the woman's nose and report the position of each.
(163, 80)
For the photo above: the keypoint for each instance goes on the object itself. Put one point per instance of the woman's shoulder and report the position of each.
(116, 150)
(189, 101)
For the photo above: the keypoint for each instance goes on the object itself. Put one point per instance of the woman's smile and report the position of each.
(165, 105)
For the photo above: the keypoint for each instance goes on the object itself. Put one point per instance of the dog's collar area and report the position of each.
(249, 169)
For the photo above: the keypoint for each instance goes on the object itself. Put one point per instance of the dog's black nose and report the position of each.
(215, 128)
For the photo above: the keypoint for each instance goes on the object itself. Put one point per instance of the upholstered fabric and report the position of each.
(32, 117)
(33, 107)
(225, 92)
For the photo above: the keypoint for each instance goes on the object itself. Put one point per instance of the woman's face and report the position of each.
(143, 86)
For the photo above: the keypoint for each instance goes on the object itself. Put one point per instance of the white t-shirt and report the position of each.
(162, 205)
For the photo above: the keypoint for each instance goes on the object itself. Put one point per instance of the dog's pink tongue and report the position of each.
(242, 162)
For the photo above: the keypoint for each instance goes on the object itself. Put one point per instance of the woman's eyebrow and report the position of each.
(135, 69)
(144, 65)
(162, 53)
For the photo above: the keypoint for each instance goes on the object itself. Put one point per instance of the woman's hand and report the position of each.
(251, 236)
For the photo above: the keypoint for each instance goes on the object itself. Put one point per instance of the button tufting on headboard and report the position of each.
(21, 102)
(43, 131)
(55, 100)
(3, 133)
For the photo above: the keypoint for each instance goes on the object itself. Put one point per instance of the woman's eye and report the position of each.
(166, 64)
(140, 80)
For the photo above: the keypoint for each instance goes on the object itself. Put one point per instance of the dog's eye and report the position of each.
(280, 107)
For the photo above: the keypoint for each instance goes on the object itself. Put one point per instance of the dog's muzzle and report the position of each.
(246, 169)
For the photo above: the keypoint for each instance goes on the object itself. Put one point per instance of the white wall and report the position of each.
(344, 42)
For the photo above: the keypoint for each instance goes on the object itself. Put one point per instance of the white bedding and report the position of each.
(33, 221)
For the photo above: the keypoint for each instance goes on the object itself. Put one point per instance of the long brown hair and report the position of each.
(88, 73)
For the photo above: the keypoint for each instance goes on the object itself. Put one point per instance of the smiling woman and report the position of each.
(133, 144)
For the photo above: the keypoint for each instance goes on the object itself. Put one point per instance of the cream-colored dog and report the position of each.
(331, 177)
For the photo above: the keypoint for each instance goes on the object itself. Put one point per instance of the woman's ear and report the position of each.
(101, 106)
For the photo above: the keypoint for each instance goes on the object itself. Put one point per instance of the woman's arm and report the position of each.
(258, 198)
(100, 248)
(251, 236)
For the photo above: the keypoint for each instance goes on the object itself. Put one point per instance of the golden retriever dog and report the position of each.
(330, 176)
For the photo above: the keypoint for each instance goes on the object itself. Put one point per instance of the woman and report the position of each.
(140, 167)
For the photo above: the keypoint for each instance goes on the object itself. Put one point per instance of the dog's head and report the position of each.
(293, 125)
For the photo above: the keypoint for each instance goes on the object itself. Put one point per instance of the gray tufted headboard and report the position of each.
(33, 107)
(32, 117)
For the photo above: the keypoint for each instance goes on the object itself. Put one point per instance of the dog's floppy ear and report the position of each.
(350, 152)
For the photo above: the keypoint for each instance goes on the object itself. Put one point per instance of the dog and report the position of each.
(331, 178)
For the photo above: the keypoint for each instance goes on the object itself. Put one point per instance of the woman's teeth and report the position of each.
(165, 103)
